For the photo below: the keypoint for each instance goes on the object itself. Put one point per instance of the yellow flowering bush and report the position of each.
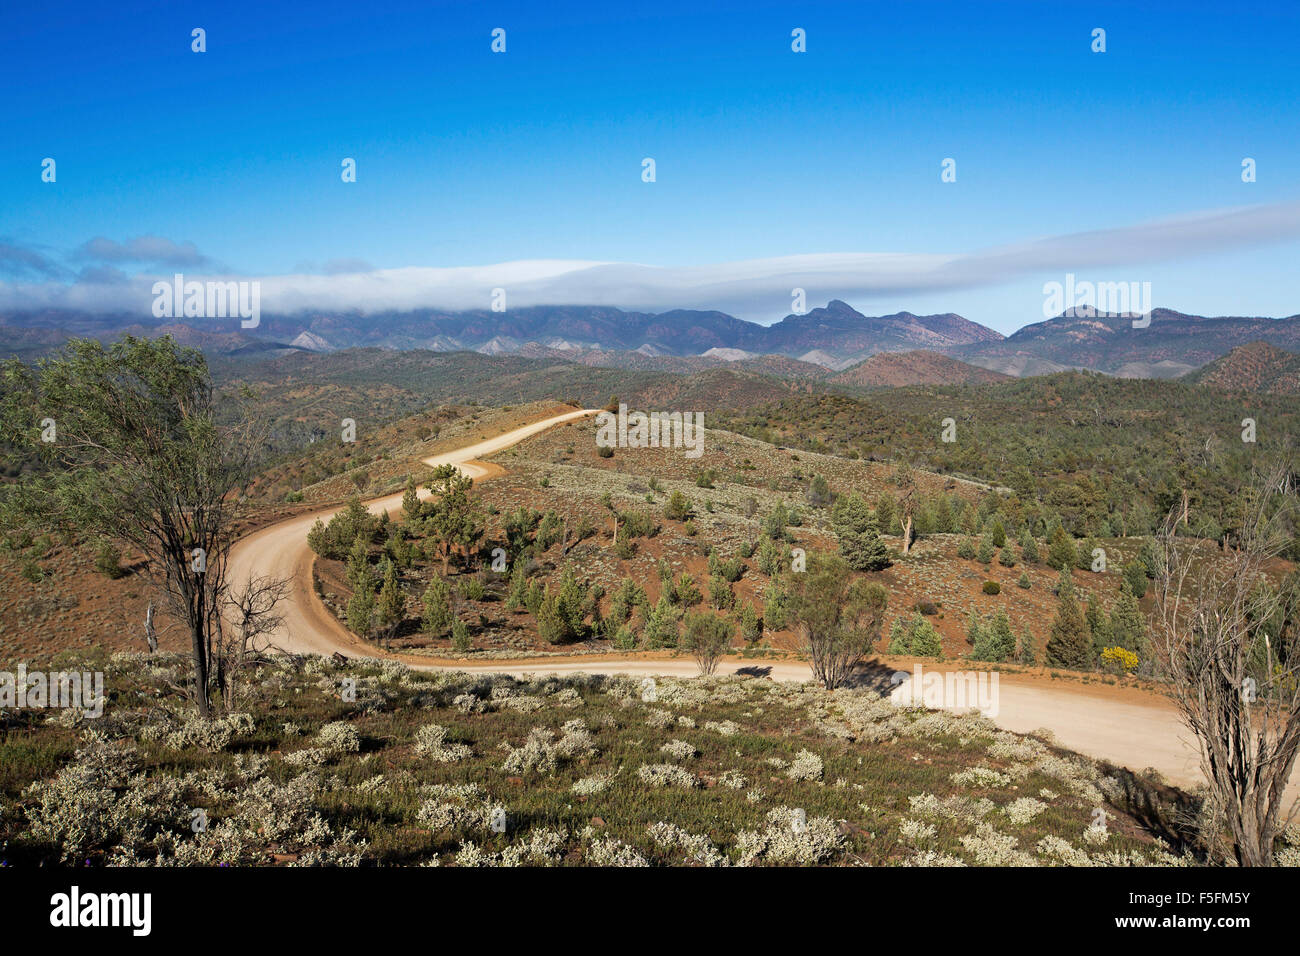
(1117, 658)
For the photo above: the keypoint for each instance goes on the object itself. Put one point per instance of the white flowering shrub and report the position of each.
(100, 800)
(1096, 834)
(589, 786)
(430, 741)
(805, 766)
(790, 838)
(1023, 810)
(211, 735)
(991, 847)
(915, 831)
(733, 780)
(609, 852)
(981, 777)
(658, 718)
(679, 749)
(542, 753)
(698, 849)
(666, 775)
(339, 737)
(1061, 851)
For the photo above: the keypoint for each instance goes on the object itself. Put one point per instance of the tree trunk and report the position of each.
(199, 646)
(907, 534)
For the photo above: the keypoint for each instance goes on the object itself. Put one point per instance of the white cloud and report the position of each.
(758, 288)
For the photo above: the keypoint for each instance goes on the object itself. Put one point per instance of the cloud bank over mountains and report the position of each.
(91, 277)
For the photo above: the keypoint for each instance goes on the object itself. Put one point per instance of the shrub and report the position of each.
(108, 561)
(637, 524)
(819, 492)
(730, 569)
(916, 636)
(460, 639)
(624, 601)
(996, 640)
(685, 591)
(1119, 660)
(605, 451)
(334, 539)
(707, 637)
(552, 626)
(678, 507)
(992, 587)
(966, 550)
(720, 594)
(751, 625)
(472, 588)
(1023, 581)
(661, 626)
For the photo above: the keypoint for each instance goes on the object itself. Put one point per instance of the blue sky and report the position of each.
(469, 158)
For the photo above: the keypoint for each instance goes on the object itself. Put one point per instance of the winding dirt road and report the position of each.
(1122, 725)
(281, 551)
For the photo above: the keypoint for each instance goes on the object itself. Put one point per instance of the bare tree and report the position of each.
(150, 633)
(243, 637)
(1230, 642)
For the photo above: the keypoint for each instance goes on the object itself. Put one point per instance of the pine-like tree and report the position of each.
(437, 608)
(360, 576)
(1127, 625)
(1097, 627)
(361, 610)
(1061, 553)
(390, 609)
(859, 535)
(1070, 642)
(1028, 548)
(1026, 653)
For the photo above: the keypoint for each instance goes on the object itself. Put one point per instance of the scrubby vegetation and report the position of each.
(367, 763)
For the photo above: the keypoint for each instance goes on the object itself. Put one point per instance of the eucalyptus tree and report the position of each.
(124, 443)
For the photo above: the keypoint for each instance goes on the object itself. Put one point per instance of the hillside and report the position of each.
(917, 367)
(1255, 367)
(1172, 345)
(304, 395)
(489, 770)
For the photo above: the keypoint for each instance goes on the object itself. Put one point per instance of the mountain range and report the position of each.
(817, 344)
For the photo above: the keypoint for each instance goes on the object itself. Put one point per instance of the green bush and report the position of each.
(678, 507)
(108, 561)
(915, 637)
